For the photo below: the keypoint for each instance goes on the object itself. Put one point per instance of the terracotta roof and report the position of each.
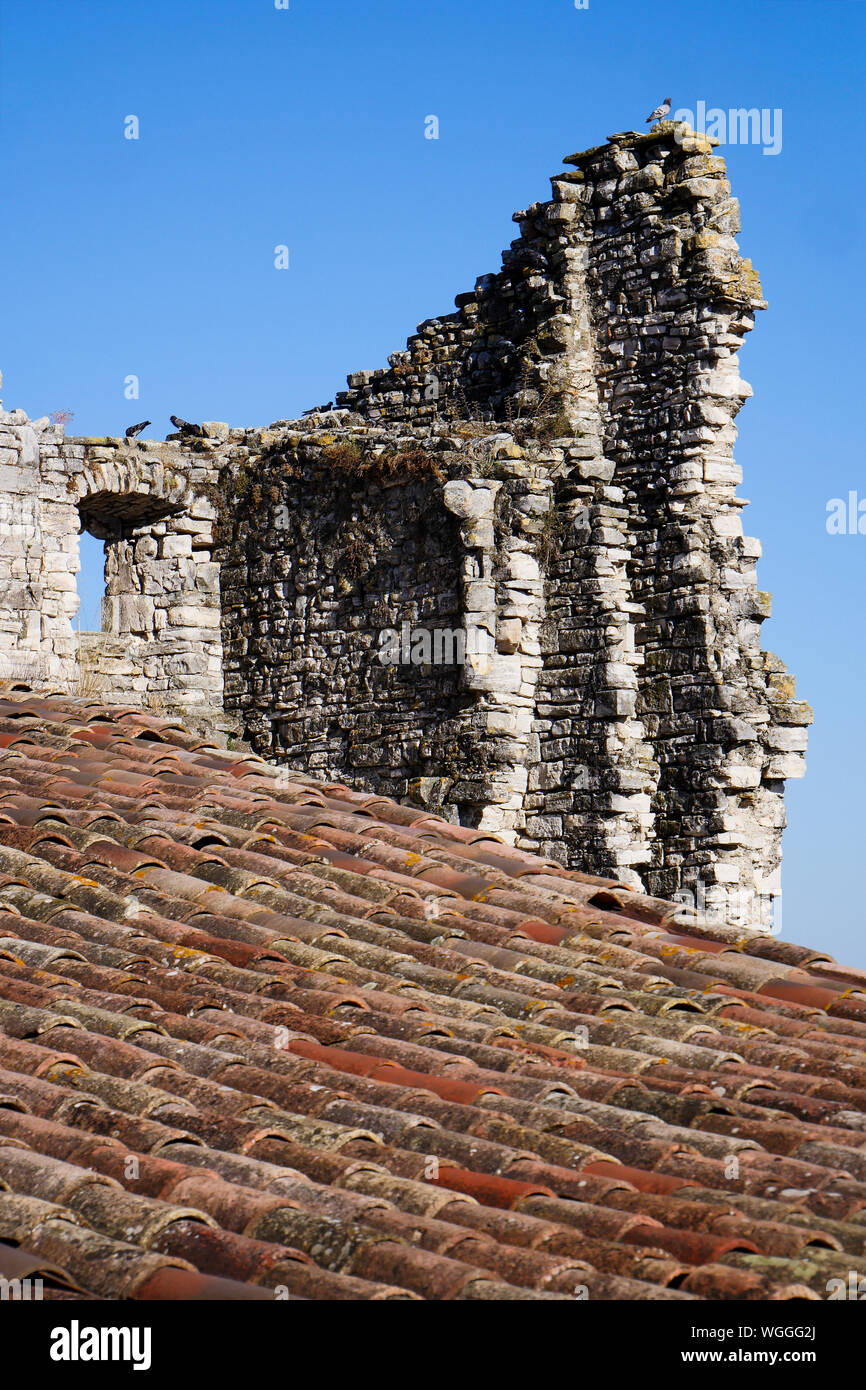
(260, 1032)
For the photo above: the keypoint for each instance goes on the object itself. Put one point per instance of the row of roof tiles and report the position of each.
(265, 1036)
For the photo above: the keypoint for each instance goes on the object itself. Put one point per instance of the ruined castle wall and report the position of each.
(161, 639)
(663, 734)
(671, 301)
(548, 474)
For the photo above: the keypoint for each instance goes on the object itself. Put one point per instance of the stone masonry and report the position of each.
(161, 638)
(533, 509)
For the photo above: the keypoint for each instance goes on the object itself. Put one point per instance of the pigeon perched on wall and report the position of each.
(660, 112)
(135, 430)
(320, 409)
(194, 431)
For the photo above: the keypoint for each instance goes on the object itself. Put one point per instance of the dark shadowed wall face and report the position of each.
(343, 621)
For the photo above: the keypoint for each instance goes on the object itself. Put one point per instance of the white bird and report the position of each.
(660, 111)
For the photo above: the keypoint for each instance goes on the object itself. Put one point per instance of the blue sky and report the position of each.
(305, 127)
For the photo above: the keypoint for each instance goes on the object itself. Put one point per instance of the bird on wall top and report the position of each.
(136, 429)
(320, 409)
(660, 112)
(186, 428)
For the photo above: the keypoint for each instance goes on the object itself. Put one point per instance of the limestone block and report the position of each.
(546, 776)
(480, 596)
(786, 766)
(520, 565)
(479, 534)
(494, 673)
(146, 549)
(741, 776)
(183, 615)
(135, 614)
(174, 545)
(28, 445)
(544, 827)
(508, 635)
(465, 500)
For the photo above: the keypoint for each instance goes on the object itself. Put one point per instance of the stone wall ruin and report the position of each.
(161, 639)
(548, 472)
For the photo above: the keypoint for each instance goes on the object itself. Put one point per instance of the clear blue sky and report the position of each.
(305, 127)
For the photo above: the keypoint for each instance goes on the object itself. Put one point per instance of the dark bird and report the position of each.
(194, 431)
(320, 409)
(136, 429)
(660, 112)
